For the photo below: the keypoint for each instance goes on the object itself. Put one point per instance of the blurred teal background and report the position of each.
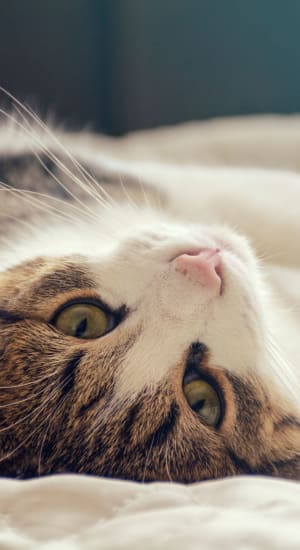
(127, 64)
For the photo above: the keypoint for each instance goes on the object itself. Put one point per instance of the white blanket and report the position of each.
(78, 512)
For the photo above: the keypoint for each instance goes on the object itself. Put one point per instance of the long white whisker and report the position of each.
(126, 194)
(11, 453)
(146, 198)
(28, 196)
(167, 462)
(25, 223)
(86, 211)
(89, 189)
(84, 173)
(12, 403)
(282, 369)
(87, 176)
(56, 160)
(37, 410)
(31, 383)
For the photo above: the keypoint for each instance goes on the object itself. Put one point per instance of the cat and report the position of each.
(148, 314)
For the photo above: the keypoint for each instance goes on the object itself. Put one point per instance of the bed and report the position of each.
(81, 512)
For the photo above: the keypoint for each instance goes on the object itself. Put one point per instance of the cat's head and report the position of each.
(136, 346)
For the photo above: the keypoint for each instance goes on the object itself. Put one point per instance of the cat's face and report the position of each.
(122, 356)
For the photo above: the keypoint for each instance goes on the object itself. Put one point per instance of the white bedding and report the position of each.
(78, 512)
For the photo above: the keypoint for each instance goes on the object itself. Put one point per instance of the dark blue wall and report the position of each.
(126, 64)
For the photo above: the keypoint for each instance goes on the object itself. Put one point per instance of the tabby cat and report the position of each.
(142, 335)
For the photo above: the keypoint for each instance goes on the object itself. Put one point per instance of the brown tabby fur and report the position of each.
(56, 391)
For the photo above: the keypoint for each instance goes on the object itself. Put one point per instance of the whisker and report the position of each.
(87, 176)
(37, 410)
(147, 458)
(11, 453)
(32, 382)
(48, 198)
(282, 369)
(89, 189)
(167, 462)
(84, 173)
(29, 198)
(25, 223)
(58, 163)
(12, 403)
(30, 414)
(126, 194)
(142, 187)
(63, 167)
(61, 214)
(270, 258)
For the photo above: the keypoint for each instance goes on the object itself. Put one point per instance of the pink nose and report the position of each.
(203, 266)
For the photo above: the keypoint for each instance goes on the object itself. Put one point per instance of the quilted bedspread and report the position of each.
(88, 513)
(78, 512)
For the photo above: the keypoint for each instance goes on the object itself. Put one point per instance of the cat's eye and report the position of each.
(204, 400)
(83, 320)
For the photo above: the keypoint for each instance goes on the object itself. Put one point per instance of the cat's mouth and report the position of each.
(237, 246)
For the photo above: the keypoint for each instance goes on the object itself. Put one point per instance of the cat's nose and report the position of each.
(203, 266)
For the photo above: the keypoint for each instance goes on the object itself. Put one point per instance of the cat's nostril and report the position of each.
(203, 266)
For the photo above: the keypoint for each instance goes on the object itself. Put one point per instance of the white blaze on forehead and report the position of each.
(175, 316)
(147, 364)
(157, 353)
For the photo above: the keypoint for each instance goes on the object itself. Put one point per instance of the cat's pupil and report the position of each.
(199, 405)
(81, 328)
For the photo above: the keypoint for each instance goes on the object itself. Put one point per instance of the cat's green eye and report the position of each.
(204, 400)
(83, 321)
